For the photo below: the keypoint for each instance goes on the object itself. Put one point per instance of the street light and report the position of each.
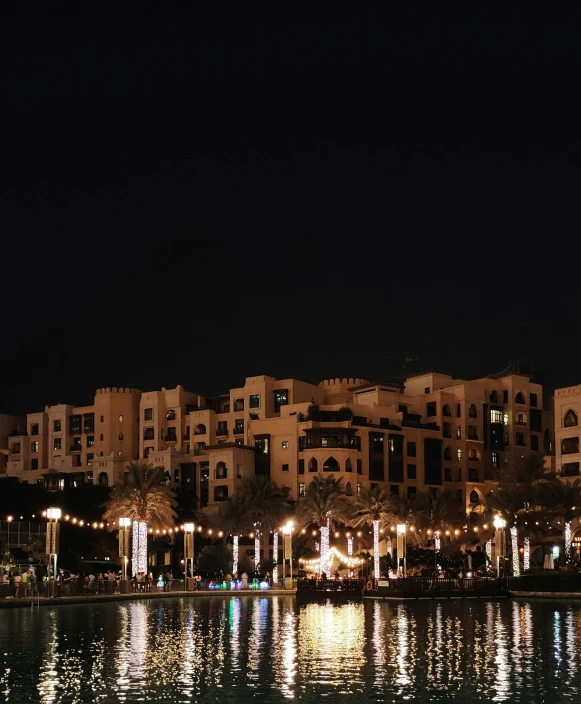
(52, 539)
(401, 546)
(124, 524)
(189, 529)
(287, 550)
(499, 524)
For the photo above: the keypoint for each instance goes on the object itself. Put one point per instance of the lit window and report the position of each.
(255, 401)
(495, 416)
(495, 460)
(358, 489)
(301, 488)
(91, 441)
(57, 444)
(459, 433)
(505, 417)
(120, 419)
(34, 446)
(285, 444)
(459, 455)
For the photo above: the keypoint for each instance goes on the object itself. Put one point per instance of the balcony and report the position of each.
(76, 448)
(472, 436)
(238, 406)
(520, 422)
(222, 431)
(238, 430)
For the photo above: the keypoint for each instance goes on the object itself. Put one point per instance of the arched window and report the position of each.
(446, 410)
(331, 465)
(548, 442)
(447, 453)
(120, 436)
(149, 434)
(313, 465)
(221, 471)
(103, 479)
(446, 430)
(200, 445)
(348, 466)
(570, 419)
(101, 453)
(474, 497)
(570, 446)
(102, 419)
(493, 397)
(120, 419)
(520, 398)
(473, 454)
(200, 429)
(101, 437)
(348, 489)
(472, 411)
(170, 415)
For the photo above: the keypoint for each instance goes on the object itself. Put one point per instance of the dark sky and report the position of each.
(286, 189)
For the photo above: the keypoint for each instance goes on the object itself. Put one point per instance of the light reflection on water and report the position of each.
(266, 648)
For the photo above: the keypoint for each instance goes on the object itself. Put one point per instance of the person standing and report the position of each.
(244, 580)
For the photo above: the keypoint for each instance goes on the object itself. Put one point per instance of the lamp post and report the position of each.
(499, 524)
(124, 524)
(189, 529)
(401, 546)
(52, 540)
(287, 550)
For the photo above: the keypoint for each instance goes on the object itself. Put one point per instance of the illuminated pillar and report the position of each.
(256, 549)
(325, 549)
(350, 550)
(515, 560)
(527, 553)
(568, 542)
(235, 553)
(376, 549)
(275, 556)
(437, 543)
(52, 539)
(139, 548)
(189, 550)
(401, 547)
(124, 524)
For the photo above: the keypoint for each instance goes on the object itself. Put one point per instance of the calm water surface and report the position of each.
(267, 649)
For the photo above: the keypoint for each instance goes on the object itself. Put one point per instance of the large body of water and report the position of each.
(268, 649)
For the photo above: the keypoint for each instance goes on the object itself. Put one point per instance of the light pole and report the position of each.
(189, 550)
(124, 524)
(401, 546)
(499, 524)
(288, 550)
(52, 540)
(350, 551)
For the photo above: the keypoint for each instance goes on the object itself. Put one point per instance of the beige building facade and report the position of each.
(430, 433)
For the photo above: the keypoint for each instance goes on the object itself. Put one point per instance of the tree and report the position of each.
(373, 506)
(439, 512)
(268, 504)
(147, 500)
(508, 501)
(408, 511)
(235, 516)
(324, 504)
(564, 501)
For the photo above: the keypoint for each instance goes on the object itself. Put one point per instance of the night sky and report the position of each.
(286, 190)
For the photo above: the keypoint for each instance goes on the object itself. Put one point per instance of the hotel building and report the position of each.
(429, 433)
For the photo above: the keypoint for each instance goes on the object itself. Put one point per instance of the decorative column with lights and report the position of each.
(52, 540)
(568, 542)
(235, 553)
(526, 558)
(189, 529)
(139, 548)
(257, 548)
(514, 544)
(287, 552)
(376, 549)
(325, 549)
(488, 549)
(124, 524)
(275, 556)
(401, 547)
(350, 551)
(499, 541)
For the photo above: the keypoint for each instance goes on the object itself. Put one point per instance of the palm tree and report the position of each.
(234, 515)
(148, 501)
(439, 512)
(564, 501)
(373, 506)
(268, 504)
(508, 501)
(324, 503)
